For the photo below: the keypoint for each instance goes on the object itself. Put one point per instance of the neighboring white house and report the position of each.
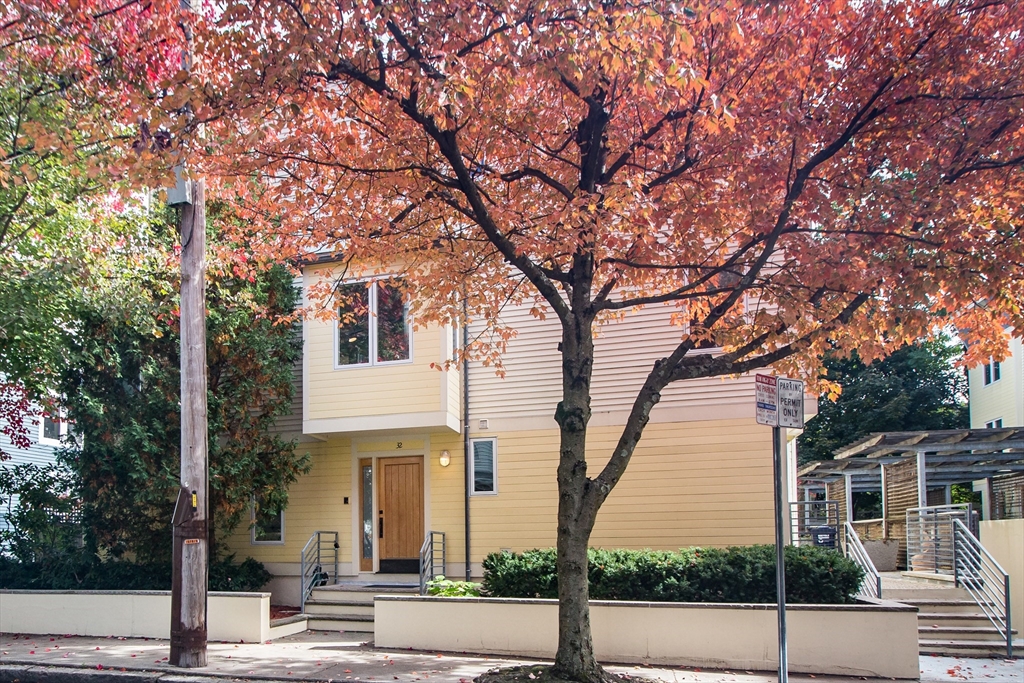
(997, 391)
(45, 434)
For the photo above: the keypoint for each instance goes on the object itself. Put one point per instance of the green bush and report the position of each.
(739, 574)
(447, 588)
(84, 571)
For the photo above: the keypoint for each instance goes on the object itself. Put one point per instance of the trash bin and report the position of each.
(824, 536)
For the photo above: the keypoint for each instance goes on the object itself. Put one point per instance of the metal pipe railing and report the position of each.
(433, 557)
(930, 536)
(977, 572)
(871, 587)
(312, 560)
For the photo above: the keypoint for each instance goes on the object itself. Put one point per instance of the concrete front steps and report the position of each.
(950, 623)
(348, 606)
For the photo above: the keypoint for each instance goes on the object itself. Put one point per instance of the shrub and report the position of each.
(453, 589)
(738, 574)
(85, 571)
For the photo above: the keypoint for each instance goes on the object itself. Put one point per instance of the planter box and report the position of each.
(133, 614)
(872, 638)
(884, 555)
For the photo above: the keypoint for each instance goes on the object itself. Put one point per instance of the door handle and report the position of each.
(380, 528)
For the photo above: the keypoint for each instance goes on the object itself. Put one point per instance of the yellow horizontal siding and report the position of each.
(696, 483)
(624, 353)
(315, 503)
(361, 392)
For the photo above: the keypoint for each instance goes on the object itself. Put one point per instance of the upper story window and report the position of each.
(994, 424)
(51, 429)
(373, 324)
(992, 372)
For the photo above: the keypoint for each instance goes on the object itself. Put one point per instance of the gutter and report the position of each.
(465, 426)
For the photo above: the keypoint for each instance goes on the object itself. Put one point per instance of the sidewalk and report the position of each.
(338, 657)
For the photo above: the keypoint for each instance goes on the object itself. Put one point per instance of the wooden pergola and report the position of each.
(915, 470)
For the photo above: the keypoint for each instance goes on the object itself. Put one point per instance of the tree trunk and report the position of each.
(577, 510)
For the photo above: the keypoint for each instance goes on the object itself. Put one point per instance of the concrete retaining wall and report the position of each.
(144, 614)
(1004, 539)
(874, 638)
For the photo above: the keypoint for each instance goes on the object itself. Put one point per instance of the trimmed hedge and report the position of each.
(83, 571)
(740, 574)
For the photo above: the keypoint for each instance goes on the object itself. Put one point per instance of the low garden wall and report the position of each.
(871, 638)
(141, 614)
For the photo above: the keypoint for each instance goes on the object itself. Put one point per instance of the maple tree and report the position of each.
(74, 79)
(792, 175)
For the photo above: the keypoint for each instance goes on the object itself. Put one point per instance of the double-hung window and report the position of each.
(483, 466)
(992, 372)
(52, 428)
(373, 324)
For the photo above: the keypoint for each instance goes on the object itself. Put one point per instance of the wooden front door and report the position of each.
(400, 513)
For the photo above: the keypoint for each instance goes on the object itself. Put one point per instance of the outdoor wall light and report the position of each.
(446, 458)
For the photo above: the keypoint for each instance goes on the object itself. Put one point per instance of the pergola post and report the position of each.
(885, 506)
(848, 483)
(922, 481)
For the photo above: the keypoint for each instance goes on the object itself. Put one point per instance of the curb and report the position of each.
(28, 672)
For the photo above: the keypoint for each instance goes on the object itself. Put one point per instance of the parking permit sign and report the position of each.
(766, 395)
(791, 403)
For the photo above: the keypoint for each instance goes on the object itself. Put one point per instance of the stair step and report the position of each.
(958, 616)
(340, 622)
(318, 608)
(968, 647)
(941, 603)
(972, 633)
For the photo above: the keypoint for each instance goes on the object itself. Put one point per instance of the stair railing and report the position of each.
(871, 587)
(319, 557)
(977, 572)
(432, 558)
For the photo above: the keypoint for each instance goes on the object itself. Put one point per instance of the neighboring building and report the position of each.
(997, 391)
(45, 434)
(385, 432)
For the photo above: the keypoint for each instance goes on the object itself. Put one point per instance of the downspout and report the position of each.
(465, 425)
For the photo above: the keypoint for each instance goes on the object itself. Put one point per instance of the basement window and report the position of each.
(267, 524)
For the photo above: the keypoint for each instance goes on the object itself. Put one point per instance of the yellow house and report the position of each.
(997, 390)
(388, 433)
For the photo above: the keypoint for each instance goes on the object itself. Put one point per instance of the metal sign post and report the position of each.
(779, 403)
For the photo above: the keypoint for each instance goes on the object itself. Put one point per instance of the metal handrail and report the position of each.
(977, 572)
(808, 517)
(432, 558)
(871, 587)
(311, 564)
(930, 536)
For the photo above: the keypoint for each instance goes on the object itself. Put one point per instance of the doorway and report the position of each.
(391, 506)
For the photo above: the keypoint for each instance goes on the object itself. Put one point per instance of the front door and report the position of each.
(400, 514)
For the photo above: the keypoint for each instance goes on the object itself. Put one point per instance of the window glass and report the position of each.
(483, 466)
(995, 371)
(367, 511)
(269, 524)
(392, 325)
(51, 428)
(354, 324)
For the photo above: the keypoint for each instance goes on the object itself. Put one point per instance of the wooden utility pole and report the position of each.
(188, 586)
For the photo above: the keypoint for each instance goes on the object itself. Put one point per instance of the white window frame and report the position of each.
(472, 465)
(994, 424)
(252, 526)
(373, 362)
(45, 441)
(989, 372)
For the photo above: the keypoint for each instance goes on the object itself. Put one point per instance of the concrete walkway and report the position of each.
(338, 657)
